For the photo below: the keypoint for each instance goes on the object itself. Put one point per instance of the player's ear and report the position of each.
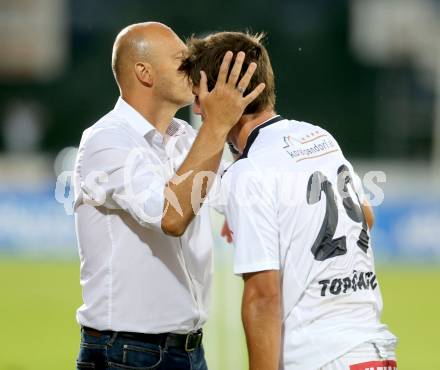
(144, 73)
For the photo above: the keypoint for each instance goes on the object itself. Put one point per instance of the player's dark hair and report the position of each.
(207, 54)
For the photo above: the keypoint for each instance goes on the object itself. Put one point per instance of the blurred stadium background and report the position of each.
(367, 70)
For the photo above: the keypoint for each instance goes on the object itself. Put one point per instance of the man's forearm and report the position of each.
(221, 109)
(191, 180)
(262, 325)
(369, 215)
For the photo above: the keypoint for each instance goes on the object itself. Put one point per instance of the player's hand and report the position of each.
(226, 232)
(223, 106)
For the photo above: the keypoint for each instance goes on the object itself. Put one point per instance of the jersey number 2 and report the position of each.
(325, 246)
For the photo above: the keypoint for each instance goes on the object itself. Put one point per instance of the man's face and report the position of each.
(170, 83)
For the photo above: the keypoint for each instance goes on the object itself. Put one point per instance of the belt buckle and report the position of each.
(190, 336)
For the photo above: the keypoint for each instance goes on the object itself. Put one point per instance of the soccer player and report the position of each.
(145, 255)
(300, 226)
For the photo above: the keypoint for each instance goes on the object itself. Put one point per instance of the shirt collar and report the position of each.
(133, 117)
(176, 128)
(140, 124)
(256, 130)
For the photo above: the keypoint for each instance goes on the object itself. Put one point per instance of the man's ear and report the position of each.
(144, 73)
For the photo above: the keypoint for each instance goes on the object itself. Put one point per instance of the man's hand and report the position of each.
(226, 232)
(221, 110)
(224, 105)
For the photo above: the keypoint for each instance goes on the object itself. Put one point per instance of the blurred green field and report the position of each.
(39, 331)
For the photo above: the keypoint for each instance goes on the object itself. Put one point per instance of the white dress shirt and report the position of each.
(134, 277)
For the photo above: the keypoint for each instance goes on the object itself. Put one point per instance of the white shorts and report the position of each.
(367, 356)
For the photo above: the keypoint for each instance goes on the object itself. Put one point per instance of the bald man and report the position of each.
(143, 231)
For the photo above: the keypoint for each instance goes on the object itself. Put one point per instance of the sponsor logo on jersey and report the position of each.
(313, 145)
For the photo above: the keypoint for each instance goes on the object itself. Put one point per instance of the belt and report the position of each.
(189, 342)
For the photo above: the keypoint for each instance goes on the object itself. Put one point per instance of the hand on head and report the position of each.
(225, 104)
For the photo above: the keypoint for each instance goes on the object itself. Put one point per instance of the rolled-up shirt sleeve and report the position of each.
(116, 174)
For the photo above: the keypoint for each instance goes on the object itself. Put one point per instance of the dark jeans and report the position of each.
(113, 352)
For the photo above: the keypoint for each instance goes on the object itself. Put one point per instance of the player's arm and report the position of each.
(252, 213)
(366, 207)
(369, 215)
(261, 315)
(221, 110)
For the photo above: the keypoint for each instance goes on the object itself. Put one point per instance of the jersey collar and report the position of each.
(254, 133)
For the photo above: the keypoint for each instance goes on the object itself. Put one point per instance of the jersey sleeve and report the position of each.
(357, 184)
(358, 187)
(252, 217)
(215, 198)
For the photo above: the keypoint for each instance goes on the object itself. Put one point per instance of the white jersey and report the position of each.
(293, 203)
